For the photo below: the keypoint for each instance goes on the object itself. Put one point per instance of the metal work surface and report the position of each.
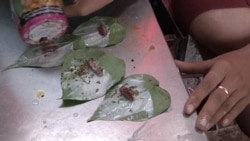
(27, 117)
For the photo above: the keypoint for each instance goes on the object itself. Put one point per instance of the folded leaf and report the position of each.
(100, 32)
(87, 74)
(137, 97)
(49, 55)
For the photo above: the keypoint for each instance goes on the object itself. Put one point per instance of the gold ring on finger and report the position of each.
(224, 89)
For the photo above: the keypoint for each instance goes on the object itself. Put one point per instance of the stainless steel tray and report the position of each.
(26, 117)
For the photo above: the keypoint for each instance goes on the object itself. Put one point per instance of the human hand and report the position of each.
(26, 3)
(84, 7)
(231, 71)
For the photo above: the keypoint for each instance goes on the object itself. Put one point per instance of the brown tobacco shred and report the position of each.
(128, 92)
(43, 40)
(91, 64)
(102, 29)
(49, 49)
(82, 70)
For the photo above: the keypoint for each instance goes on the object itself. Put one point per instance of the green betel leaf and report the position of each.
(137, 97)
(99, 32)
(49, 55)
(87, 74)
(117, 34)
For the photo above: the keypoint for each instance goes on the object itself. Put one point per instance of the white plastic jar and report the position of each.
(39, 21)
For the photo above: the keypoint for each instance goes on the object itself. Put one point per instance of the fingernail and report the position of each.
(190, 90)
(225, 122)
(203, 123)
(190, 109)
(208, 126)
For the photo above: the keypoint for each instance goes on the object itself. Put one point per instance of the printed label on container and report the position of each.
(36, 17)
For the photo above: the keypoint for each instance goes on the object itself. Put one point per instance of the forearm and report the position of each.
(85, 7)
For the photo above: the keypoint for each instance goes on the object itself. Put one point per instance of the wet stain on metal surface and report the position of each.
(151, 48)
(136, 27)
(40, 94)
(186, 137)
(75, 115)
(35, 102)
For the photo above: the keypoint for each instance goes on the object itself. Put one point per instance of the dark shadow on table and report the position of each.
(71, 103)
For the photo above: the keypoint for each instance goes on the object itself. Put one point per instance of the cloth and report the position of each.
(185, 11)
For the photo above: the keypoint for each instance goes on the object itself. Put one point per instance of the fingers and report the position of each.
(210, 82)
(227, 99)
(84, 7)
(220, 102)
(225, 70)
(226, 109)
(231, 108)
(194, 67)
(237, 109)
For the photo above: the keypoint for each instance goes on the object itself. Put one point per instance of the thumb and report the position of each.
(74, 10)
(194, 67)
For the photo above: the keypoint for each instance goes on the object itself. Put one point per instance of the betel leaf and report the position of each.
(99, 32)
(137, 97)
(82, 82)
(48, 55)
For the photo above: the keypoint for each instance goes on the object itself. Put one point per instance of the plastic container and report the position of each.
(39, 21)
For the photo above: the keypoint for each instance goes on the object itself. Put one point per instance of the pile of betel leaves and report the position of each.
(88, 73)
